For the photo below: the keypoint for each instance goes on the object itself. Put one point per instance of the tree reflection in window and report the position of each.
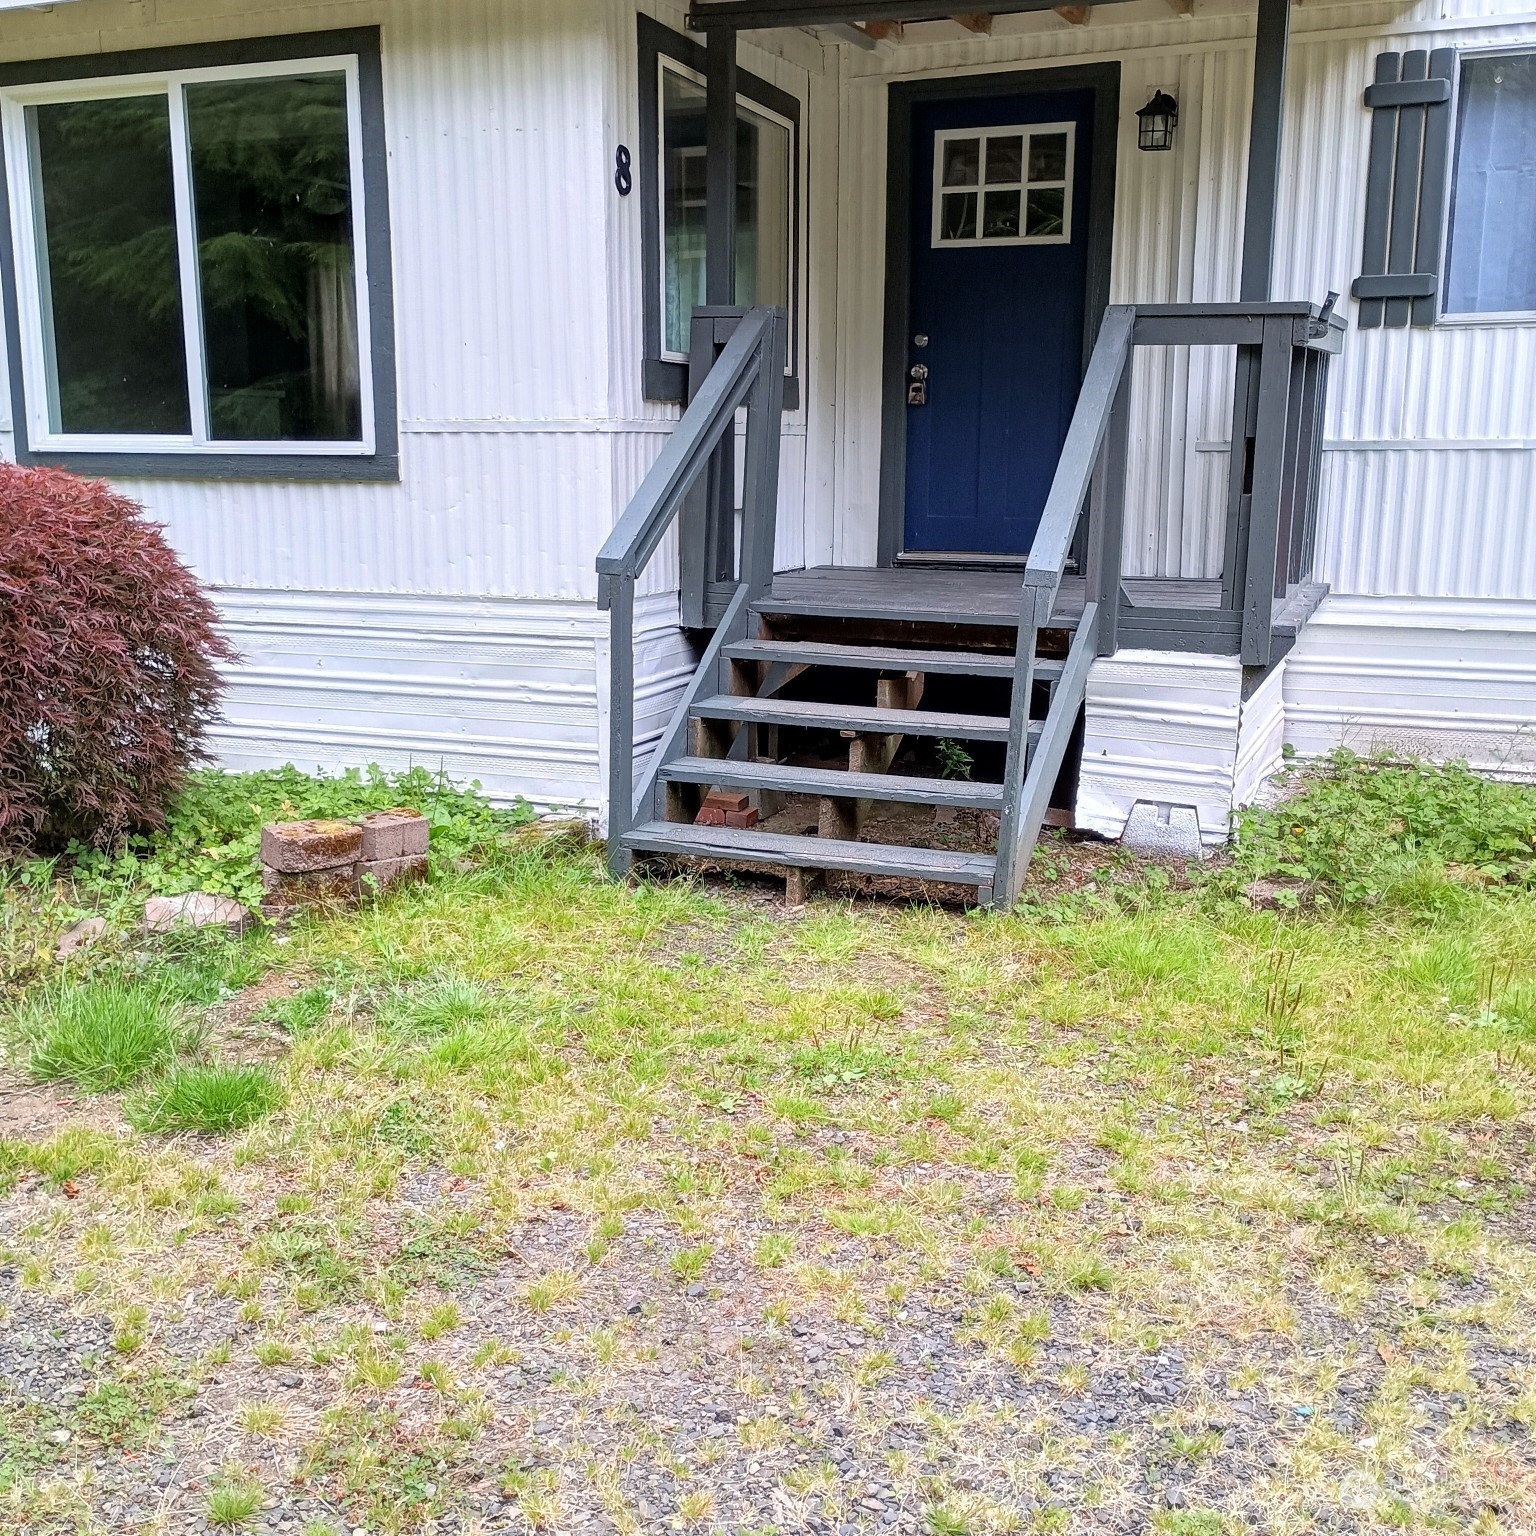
(271, 182)
(111, 288)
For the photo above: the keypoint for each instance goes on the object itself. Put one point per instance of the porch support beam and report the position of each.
(1271, 44)
(720, 166)
(745, 15)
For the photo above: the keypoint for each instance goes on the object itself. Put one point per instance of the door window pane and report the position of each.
(764, 207)
(1004, 157)
(1492, 267)
(1048, 157)
(111, 293)
(271, 184)
(1044, 212)
(1002, 215)
(959, 216)
(962, 162)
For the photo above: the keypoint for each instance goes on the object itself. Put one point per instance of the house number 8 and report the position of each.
(623, 176)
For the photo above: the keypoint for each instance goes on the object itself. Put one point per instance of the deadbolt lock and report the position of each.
(917, 387)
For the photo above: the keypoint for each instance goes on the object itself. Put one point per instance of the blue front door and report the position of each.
(998, 285)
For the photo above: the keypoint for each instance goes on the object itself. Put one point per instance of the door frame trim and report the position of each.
(1104, 81)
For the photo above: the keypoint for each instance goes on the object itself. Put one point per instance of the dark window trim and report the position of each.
(383, 464)
(666, 381)
(1104, 81)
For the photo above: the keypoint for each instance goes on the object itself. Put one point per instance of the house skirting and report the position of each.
(510, 693)
(1434, 678)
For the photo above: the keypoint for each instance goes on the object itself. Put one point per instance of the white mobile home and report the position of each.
(388, 309)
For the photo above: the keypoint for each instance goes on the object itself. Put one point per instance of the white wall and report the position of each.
(451, 618)
(1428, 474)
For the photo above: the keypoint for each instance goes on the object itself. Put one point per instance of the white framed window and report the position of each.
(765, 190)
(1491, 250)
(1003, 186)
(191, 250)
(673, 188)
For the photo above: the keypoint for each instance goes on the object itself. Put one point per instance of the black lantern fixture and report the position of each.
(1156, 121)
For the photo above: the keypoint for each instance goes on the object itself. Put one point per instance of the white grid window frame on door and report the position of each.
(1002, 186)
(21, 164)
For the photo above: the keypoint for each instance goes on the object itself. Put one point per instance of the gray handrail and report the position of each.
(662, 492)
(749, 372)
(1073, 479)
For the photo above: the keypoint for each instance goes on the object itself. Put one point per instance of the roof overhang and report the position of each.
(744, 15)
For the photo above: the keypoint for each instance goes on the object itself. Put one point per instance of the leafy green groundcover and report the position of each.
(212, 838)
(1367, 830)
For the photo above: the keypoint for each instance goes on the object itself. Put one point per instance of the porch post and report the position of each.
(1270, 46)
(720, 166)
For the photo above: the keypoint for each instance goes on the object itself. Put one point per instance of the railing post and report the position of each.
(760, 491)
(1106, 531)
(621, 720)
(1274, 391)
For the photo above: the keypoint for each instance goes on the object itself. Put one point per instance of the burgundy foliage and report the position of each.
(108, 652)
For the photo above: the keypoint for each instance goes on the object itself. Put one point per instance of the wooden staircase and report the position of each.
(828, 728)
(824, 693)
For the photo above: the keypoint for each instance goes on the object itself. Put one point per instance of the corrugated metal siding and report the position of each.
(1438, 520)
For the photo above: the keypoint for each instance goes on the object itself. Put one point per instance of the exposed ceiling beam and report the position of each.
(845, 32)
(1074, 15)
(976, 21)
(747, 15)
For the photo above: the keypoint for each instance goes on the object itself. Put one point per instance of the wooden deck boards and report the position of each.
(961, 596)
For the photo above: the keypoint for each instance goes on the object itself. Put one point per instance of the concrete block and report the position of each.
(1169, 830)
(309, 887)
(380, 875)
(298, 847)
(394, 834)
(196, 909)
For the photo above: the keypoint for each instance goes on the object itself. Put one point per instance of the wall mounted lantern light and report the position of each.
(1156, 121)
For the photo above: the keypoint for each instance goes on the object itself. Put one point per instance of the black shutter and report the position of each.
(1406, 188)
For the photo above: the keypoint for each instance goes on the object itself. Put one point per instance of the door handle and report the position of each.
(917, 386)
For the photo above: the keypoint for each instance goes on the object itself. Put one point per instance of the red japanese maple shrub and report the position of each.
(108, 653)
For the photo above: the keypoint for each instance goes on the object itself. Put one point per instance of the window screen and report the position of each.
(1493, 198)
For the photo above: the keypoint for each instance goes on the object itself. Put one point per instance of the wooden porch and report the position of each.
(814, 685)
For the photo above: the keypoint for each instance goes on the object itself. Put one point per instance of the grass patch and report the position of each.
(101, 1036)
(215, 1098)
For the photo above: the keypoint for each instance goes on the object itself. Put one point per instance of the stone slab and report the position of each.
(196, 909)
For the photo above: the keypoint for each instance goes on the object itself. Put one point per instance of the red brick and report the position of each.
(709, 816)
(394, 834)
(299, 847)
(743, 818)
(726, 800)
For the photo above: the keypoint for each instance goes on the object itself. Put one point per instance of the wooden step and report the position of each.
(834, 782)
(865, 719)
(884, 658)
(729, 845)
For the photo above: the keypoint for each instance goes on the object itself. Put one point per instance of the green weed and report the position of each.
(214, 1098)
(101, 1036)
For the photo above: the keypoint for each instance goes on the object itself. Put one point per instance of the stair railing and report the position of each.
(1092, 460)
(750, 373)
(1283, 351)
